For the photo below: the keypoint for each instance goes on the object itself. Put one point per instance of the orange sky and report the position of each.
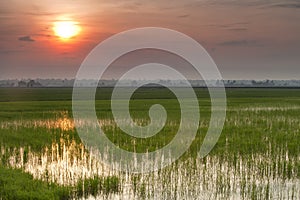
(248, 39)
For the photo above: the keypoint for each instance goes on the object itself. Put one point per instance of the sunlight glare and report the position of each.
(66, 29)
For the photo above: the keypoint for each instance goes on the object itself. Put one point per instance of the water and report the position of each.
(270, 174)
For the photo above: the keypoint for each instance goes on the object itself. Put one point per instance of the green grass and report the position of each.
(15, 184)
(259, 123)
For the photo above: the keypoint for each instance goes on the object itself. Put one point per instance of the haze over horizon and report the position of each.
(247, 39)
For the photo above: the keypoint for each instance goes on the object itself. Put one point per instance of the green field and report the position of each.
(256, 157)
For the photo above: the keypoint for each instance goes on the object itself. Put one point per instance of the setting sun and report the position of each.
(66, 29)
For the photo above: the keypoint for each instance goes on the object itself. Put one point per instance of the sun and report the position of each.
(66, 29)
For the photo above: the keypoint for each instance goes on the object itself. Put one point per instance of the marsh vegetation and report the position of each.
(256, 157)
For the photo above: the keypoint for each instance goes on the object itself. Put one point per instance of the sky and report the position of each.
(247, 39)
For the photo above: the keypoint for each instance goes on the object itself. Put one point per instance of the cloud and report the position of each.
(287, 5)
(240, 43)
(43, 35)
(40, 13)
(264, 4)
(10, 51)
(183, 16)
(231, 3)
(238, 29)
(234, 25)
(26, 39)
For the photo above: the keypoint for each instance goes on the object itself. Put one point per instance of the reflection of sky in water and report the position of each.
(214, 177)
(187, 180)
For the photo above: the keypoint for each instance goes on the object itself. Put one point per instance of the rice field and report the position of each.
(256, 157)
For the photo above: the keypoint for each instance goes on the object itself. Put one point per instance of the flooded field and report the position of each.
(256, 157)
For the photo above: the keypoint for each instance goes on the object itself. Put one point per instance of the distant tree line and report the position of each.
(33, 83)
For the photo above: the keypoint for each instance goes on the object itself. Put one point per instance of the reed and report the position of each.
(256, 157)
